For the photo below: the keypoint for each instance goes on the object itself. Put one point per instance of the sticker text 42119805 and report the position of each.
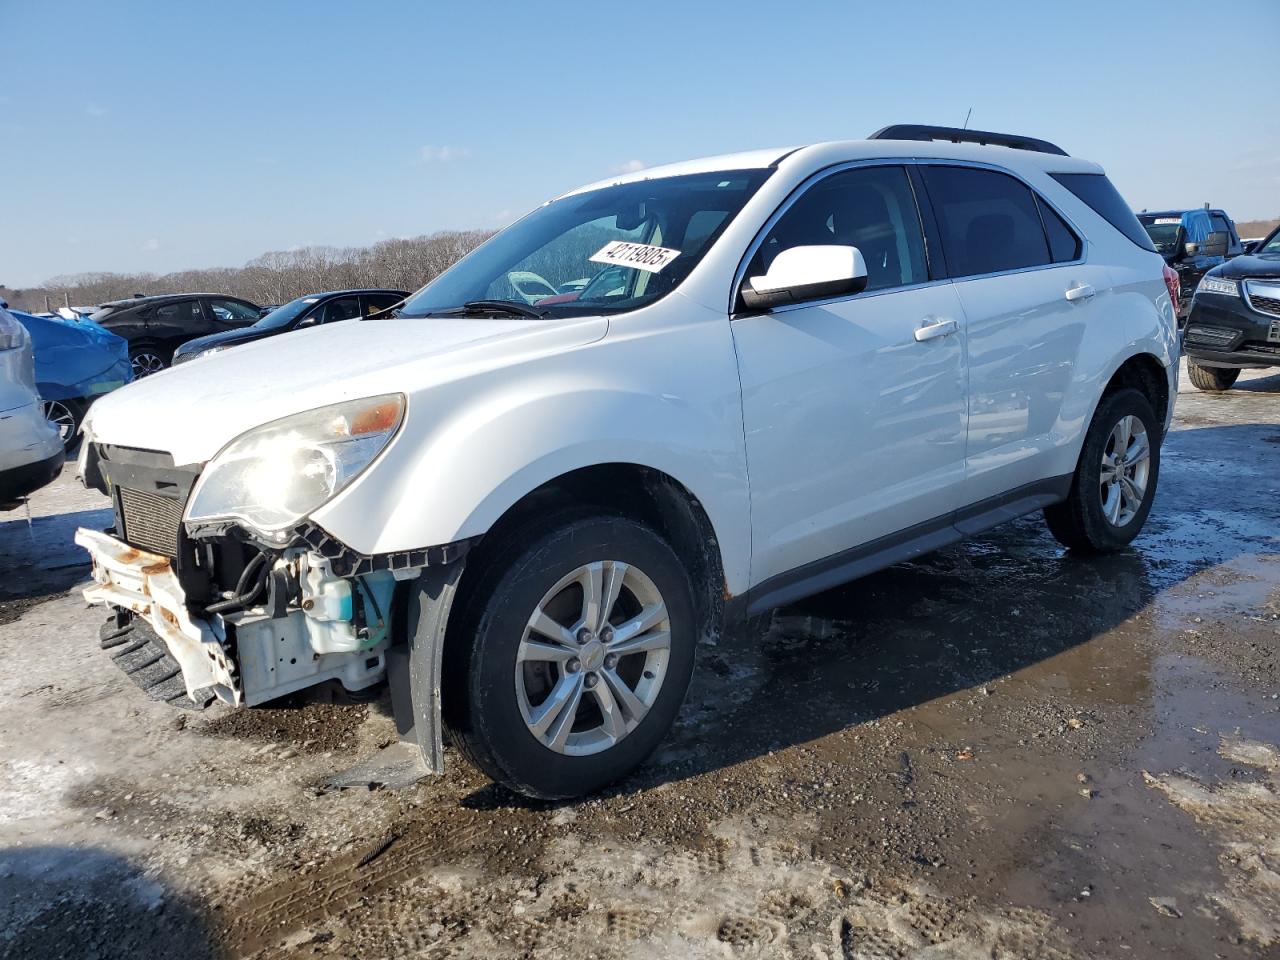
(642, 256)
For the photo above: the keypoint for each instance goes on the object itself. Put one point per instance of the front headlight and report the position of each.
(1217, 285)
(212, 350)
(276, 474)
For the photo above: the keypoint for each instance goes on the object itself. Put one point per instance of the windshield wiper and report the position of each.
(502, 306)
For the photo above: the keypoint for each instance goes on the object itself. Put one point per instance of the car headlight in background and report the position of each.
(275, 475)
(1217, 285)
(212, 350)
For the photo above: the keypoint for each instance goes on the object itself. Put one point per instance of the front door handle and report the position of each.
(1082, 291)
(943, 328)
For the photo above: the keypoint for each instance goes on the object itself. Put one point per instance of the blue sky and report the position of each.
(160, 136)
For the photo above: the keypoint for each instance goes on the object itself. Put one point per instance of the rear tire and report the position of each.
(1212, 379)
(147, 359)
(620, 669)
(1115, 479)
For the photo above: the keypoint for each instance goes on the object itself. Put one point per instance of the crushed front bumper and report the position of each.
(145, 584)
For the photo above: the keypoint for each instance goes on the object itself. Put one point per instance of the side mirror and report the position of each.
(807, 273)
(1191, 249)
(1215, 245)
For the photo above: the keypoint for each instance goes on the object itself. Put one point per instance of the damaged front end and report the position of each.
(245, 618)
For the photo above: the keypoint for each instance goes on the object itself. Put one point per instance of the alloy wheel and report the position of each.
(146, 363)
(1126, 469)
(61, 417)
(593, 658)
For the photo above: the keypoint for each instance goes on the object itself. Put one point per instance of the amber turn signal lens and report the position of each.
(377, 419)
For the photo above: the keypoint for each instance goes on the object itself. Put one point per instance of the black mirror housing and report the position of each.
(756, 300)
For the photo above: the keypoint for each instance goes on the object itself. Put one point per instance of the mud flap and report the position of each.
(413, 669)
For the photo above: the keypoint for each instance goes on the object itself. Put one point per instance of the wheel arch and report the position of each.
(1144, 372)
(641, 493)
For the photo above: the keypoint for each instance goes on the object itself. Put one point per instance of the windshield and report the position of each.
(284, 316)
(1164, 234)
(606, 251)
(1271, 245)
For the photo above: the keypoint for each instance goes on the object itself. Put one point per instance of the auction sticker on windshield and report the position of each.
(642, 256)
(1160, 220)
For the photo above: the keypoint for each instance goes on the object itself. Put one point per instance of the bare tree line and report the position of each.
(276, 277)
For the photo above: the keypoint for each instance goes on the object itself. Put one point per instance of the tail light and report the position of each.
(1171, 281)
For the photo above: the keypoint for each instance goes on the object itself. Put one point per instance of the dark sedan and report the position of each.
(1235, 318)
(156, 326)
(297, 314)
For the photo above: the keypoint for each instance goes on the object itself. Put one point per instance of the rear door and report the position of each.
(178, 320)
(1028, 292)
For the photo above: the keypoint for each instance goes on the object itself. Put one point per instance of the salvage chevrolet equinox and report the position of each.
(745, 380)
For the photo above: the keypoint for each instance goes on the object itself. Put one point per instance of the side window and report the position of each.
(233, 311)
(373, 302)
(184, 311)
(871, 208)
(1064, 245)
(989, 221)
(344, 308)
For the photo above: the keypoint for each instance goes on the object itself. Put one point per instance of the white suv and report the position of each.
(788, 368)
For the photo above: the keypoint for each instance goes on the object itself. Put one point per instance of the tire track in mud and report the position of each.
(463, 891)
(276, 915)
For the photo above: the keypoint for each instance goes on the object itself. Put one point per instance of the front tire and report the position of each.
(1115, 479)
(1212, 379)
(574, 654)
(66, 416)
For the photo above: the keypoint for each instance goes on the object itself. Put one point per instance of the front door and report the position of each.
(855, 428)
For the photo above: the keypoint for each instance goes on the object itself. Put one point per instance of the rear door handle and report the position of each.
(943, 328)
(1081, 292)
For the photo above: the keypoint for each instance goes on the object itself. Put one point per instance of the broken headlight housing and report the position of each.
(275, 475)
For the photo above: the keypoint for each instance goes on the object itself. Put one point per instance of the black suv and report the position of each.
(1235, 318)
(156, 326)
(1193, 242)
(297, 314)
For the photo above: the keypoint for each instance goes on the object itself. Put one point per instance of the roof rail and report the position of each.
(919, 131)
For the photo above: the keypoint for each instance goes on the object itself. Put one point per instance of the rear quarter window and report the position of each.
(989, 221)
(1105, 200)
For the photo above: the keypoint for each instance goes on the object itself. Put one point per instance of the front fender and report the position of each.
(469, 450)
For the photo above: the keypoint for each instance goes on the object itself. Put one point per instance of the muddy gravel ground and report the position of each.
(996, 751)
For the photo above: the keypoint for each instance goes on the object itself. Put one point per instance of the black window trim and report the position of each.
(928, 225)
(1039, 196)
(736, 309)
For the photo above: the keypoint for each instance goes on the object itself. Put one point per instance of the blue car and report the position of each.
(77, 361)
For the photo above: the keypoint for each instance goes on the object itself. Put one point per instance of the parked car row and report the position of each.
(162, 330)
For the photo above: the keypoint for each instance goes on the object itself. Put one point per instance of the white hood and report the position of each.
(192, 411)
